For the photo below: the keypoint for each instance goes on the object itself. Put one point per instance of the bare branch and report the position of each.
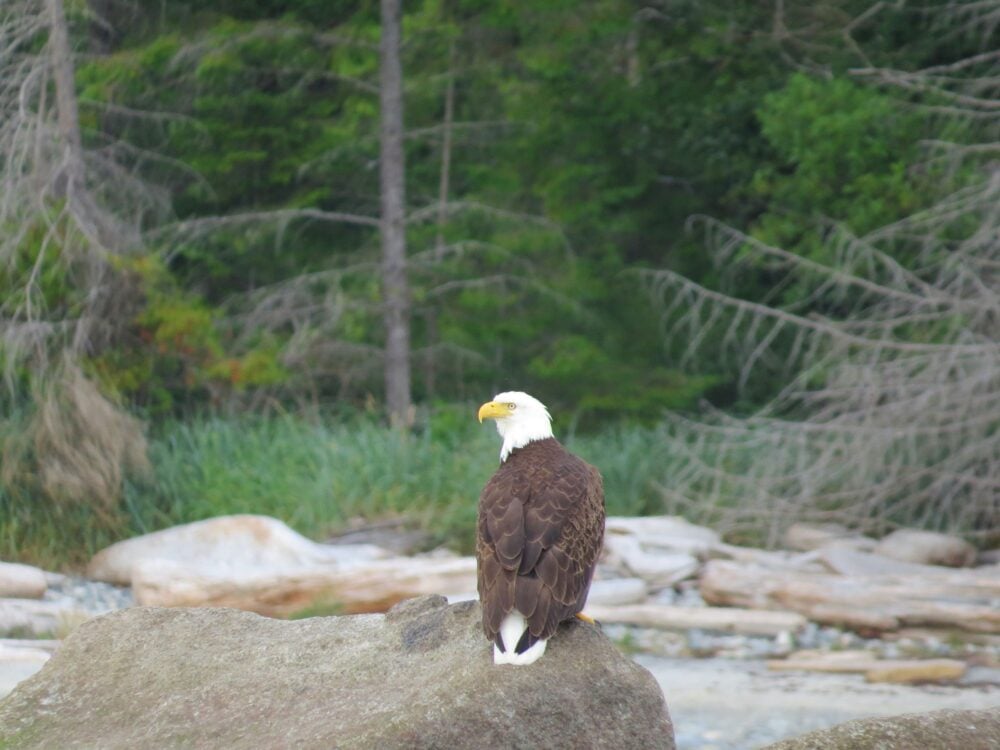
(891, 410)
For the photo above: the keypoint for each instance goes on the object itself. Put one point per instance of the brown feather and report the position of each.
(539, 534)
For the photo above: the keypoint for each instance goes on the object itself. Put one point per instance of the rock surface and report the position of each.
(22, 581)
(419, 677)
(968, 730)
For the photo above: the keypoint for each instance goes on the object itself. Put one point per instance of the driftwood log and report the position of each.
(721, 619)
(370, 587)
(874, 668)
(936, 597)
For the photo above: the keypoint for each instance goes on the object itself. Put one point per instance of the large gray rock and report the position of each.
(968, 730)
(419, 677)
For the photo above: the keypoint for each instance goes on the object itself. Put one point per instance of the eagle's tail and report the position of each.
(515, 644)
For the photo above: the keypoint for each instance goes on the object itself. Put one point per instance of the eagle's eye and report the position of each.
(512, 406)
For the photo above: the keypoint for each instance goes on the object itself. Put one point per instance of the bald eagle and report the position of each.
(540, 529)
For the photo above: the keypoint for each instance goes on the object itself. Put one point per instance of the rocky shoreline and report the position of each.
(653, 595)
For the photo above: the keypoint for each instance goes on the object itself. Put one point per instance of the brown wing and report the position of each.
(541, 525)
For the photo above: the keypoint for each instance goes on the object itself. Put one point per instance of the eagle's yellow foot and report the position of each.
(586, 618)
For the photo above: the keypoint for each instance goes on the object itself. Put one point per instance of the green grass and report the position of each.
(314, 477)
(318, 478)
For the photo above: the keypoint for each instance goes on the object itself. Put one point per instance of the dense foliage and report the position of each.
(554, 154)
(582, 138)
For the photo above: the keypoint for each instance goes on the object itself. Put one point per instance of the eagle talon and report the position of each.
(583, 617)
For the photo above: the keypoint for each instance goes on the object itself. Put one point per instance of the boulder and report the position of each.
(927, 548)
(421, 676)
(969, 730)
(227, 543)
(22, 581)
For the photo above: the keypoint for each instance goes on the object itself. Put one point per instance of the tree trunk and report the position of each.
(395, 287)
(430, 370)
(445, 177)
(71, 174)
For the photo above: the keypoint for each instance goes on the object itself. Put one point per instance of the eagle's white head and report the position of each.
(520, 419)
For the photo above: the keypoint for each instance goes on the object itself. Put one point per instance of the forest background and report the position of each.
(747, 253)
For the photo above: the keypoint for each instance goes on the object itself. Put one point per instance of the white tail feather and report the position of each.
(511, 630)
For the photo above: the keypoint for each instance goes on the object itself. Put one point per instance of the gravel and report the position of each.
(93, 597)
(738, 704)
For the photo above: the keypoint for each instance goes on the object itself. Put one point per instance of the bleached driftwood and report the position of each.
(661, 550)
(965, 599)
(874, 669)
(613, 592)
(724, 619)
(369, 587)
(22, 581)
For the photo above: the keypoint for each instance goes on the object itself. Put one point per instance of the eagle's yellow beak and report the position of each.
(493, 410)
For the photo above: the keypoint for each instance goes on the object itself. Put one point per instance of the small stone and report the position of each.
(784, 642)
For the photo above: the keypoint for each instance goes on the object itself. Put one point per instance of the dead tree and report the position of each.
(891, 412)
(59, 219)
(395, 286)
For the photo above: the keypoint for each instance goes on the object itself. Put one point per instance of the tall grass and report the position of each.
(318, 478)
(314, 477)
